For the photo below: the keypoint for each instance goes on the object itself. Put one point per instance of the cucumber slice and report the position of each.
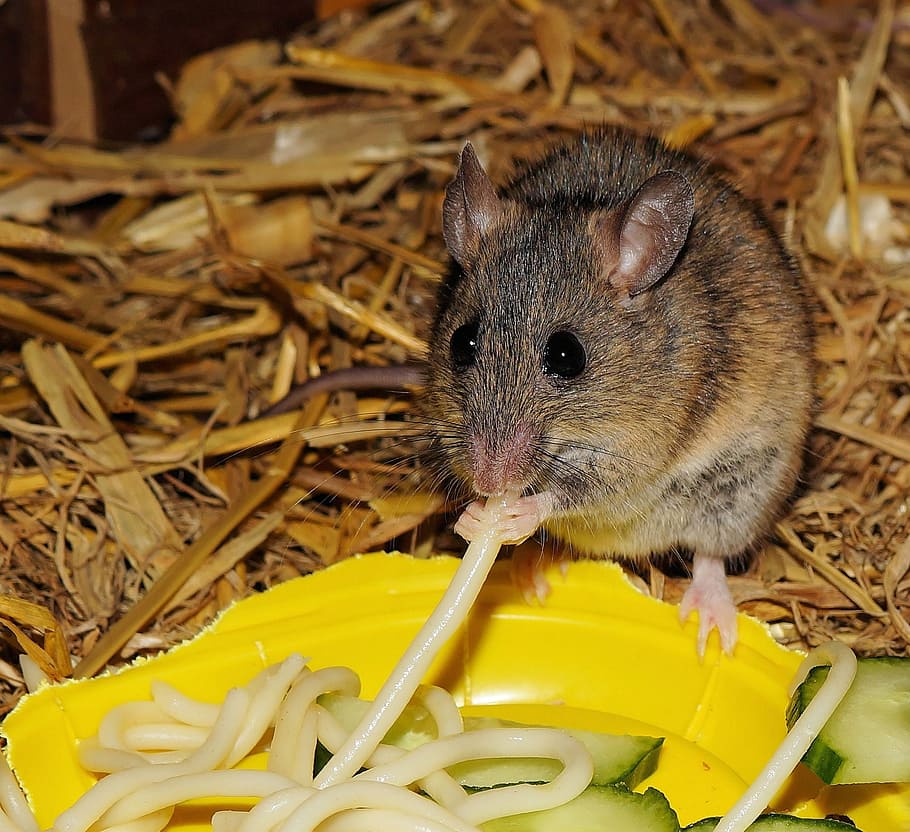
(414, 727)
(780, 823)
(617, 759)
(597, 809)
(867, 739)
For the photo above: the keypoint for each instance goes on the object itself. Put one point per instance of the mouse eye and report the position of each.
(564, 356)
(463, 345)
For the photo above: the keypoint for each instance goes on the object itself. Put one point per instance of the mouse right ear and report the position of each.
(653, 230)
(470, 207)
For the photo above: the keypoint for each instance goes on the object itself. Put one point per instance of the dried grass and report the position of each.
(154, 300)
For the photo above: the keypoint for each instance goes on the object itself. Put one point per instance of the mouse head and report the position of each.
(547, 329)
(638, 242)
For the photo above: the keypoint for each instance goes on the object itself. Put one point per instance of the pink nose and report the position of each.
(504, 465)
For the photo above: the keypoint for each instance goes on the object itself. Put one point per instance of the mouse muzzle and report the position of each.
(502, 463)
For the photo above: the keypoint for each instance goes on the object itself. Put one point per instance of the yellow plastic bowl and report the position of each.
(598, 655)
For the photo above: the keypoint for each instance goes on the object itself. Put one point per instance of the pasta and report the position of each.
(450, 612)
(16, 814)
(797, 742)
(173, 749)
(144, 792)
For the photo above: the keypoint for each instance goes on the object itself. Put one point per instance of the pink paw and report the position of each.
(710, 595)
(471, 521)
(520, 520)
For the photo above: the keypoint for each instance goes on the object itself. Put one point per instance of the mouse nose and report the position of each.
(502, 463)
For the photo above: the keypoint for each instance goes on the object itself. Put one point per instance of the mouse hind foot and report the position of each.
(709, 595)
(528, 565)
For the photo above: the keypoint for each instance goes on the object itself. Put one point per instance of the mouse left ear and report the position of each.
(471, 206)
(652, 231)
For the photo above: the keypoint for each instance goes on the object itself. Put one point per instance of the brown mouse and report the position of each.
(624, 341)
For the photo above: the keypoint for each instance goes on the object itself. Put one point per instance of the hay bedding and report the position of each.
(156, 299)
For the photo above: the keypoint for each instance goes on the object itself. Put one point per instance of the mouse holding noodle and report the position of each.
(624, 341)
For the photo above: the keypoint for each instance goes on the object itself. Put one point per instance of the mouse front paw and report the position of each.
(472, 520)
(709, 595)
(518, 520)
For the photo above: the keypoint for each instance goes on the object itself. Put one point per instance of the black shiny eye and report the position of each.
(564, 356)
(463, 345)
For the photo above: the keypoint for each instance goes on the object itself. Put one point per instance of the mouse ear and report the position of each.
(470, 207)
(652, 231)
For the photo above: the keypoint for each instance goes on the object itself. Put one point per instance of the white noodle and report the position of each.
(182, 708)
(303, 765)
(215, 749)
(278, 807)
(147, 823)
(487, 743)
(32, 674)
(265, 702)
(358, 794)
(15, 806)
(442, 708)
(95, 757)
(274, 809)
(332, 735)
(137, 727)
(439, 785)
(803, 732)
(227, 820)
(154, 797)
(443, 788)
(830, 653)
(121, 717)
(158, 735)
(449, 613)
(369, 820)
(6, 825)
(97, 800)
(294, 740)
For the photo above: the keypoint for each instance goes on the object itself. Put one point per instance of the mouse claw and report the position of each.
(709, 595)
(721, 618)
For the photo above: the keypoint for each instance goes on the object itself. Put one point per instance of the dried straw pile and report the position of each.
(156, 299)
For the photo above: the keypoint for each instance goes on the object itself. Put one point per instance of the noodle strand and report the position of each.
(15, 806)
(843, 670)
(225, 782)
(182, 708)
(488, 743)
(97, 800)
(295, 727)
(368, 795)
(369, 820)
(451, 610)
(274, 809)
